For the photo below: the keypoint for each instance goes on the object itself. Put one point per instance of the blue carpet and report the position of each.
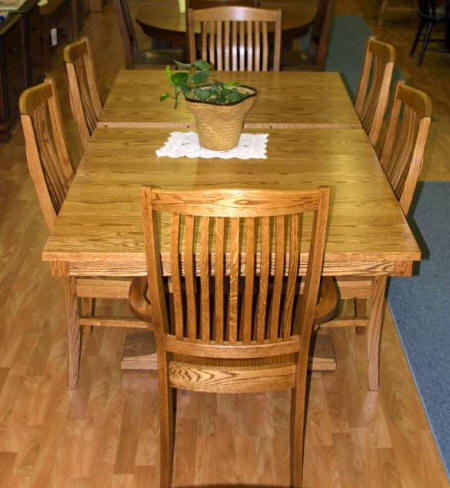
(347, 45)
(421, 309)
(420, 304)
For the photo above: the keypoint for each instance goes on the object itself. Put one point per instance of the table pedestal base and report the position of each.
(140, 353)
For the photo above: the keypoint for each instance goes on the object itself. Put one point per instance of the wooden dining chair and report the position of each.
(134, 57)
(431, 13)
(233, 322)
(404, 144)
(52, 173)
(313, 59)
(236, 38)
(83, 89)
(374, 83)
(401, 157)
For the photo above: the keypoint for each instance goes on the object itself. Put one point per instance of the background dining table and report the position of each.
(164, 21)
(99, 229)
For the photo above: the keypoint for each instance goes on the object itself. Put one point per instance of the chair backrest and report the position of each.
(236, 38)
(127, 32)
(370, 104)
(404, 144)
(83, 90)
(234, 240)
(427, 8)
(46, 147)
(320, 32)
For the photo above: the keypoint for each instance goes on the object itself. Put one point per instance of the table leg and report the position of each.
(377, 301)
(73, 330)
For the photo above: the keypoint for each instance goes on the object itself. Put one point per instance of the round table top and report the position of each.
(168, 23)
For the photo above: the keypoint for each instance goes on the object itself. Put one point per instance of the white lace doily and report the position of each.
(185, 144)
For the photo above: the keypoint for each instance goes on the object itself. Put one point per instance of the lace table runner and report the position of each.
(185, 144)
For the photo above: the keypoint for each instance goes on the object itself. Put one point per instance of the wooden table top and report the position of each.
(285, 99)
(166, 22)
(99, 230)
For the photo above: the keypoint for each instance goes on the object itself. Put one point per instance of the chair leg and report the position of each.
(426, 40)
(417, 37)
(298, 399)
(87, 308)
(381, 12)
(167, 396)
(360, 309)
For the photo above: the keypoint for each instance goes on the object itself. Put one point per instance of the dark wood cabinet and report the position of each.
(21, 60)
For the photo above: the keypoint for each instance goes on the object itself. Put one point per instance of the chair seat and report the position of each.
(441, 15)
(159, 57)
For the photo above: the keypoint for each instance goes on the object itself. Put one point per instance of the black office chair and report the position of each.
(430, 14)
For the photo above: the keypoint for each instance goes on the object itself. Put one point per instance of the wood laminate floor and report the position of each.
(105, 434)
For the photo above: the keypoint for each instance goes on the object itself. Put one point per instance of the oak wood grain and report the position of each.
(315, 99)
(104, 234)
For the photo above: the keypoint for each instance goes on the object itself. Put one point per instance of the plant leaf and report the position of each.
(179, 77)
(201, 64)
(163, 96)
(168, 72)
(199, 77)
(183, 65)
(230, 84)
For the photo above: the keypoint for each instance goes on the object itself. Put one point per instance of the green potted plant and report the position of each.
(219, 108)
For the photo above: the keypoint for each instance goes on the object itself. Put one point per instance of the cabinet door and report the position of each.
(13, 50)
(14, 87)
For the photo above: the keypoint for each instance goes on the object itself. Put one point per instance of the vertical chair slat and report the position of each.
(278, 279)
(241, 46)
(234, 280)
(286, 319)
(249, 278)
(263, 280)
(189, 272)
(175, 275)
(250, 46)
(218, 279)
(398, 170)
(234, 45)
(204, 28)
(265, 47)
(212, 40)
(204, 278)
(219, 64)
(226, 47)
(257, 47)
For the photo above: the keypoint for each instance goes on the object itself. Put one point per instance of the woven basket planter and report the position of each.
(219, 127)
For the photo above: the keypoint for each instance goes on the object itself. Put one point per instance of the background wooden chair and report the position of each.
(52, 174)
(225, 332)
(236, 38)
(83, 89)
(376, 73)
(401, 157)
(430, 14)
(404, 144)
(398, 6)
(314, 57)
(135, 58)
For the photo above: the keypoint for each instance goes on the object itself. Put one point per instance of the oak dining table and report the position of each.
(99, 232)
(285, 100)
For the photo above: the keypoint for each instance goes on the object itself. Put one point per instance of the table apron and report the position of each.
(121, 268)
